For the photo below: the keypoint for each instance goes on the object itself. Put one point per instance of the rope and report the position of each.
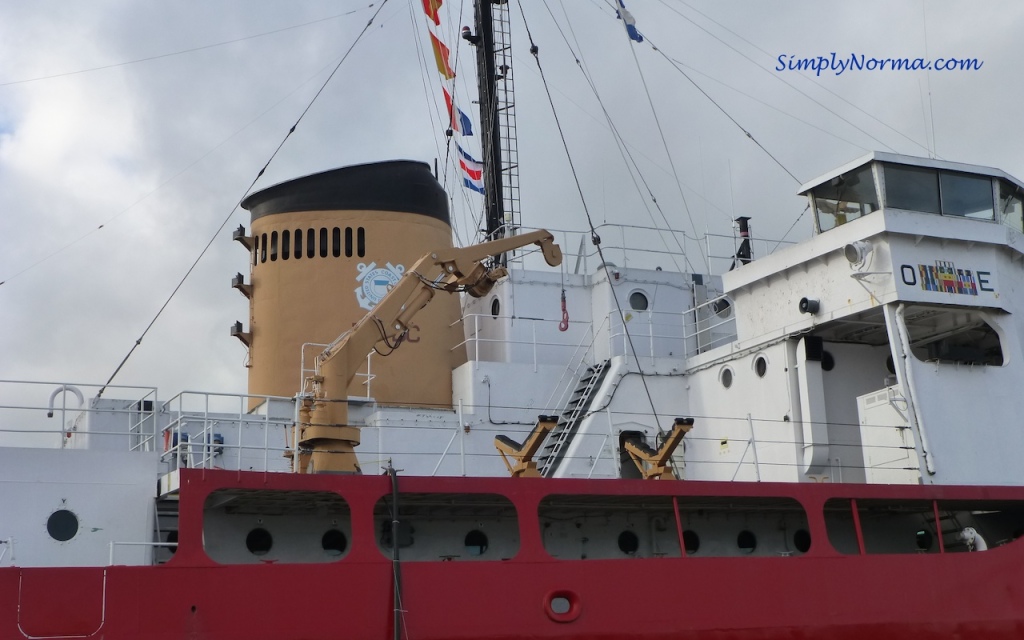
(239, 202)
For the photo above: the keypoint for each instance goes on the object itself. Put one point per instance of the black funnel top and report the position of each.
(395, 185)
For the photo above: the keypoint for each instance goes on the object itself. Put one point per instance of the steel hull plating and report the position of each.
(819, 594)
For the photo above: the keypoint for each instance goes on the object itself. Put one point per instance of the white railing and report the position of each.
(645, 247)
(29, 410)
(195, 436)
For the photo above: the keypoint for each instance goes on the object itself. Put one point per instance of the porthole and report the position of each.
(638, 301)
(62, 525)
(722, 307)
(890, 366)
(172, 539)
(746, 541)
(691, 542)
(476, 543)
(828, 363)
(495, 307)
(760, 366)
(560, 605)
(802, 540)
(726, 377)
(259, 541)
(333, 542)
(924, 540)
(629, 543)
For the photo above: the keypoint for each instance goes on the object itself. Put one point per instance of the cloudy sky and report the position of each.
(128, 131)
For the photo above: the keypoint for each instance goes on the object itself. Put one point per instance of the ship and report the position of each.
(554, 433)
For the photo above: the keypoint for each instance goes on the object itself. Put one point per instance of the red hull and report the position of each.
(821, 594)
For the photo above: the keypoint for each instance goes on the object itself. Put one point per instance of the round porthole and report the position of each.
(259, 541)
(828, 363)
(333, 542)
(722, 307)
(638, 301)
(746, 541)
(760, 366)
(562, 605)
(802, 540)
(495, 307)
(924, 540)
(691, 541)
(629, 543)
(62, 525)
(476, 542)
(726, 377)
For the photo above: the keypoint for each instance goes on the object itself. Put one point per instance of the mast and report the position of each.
(497, 116)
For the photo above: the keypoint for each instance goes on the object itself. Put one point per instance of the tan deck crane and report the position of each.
(325, 438)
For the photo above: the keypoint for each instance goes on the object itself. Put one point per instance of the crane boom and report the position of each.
(326, 440)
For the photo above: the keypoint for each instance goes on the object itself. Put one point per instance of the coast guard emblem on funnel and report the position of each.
(375, 283)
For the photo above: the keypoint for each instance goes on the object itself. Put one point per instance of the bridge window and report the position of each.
(912, 188)
(1011, 210)
(845, 198)
(933, 191)
(966, 195)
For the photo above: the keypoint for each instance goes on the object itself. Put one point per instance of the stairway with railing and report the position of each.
(570, 419)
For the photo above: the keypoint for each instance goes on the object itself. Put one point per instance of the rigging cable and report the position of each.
(596, 239)
(184, 51)
(239, 202)
(678, 68)
(790, 85)
(625, 154)
(668, 153)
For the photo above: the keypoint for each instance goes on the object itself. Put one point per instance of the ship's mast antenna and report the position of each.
(493, 42)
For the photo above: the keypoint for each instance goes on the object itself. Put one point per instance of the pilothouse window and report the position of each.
(845, 198)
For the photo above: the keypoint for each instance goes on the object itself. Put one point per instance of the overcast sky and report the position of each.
(152, 119)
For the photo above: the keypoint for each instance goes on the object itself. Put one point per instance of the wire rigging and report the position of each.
(184, 51)
(231, 213)
(596, 239)
(631, 165)
(792, 86)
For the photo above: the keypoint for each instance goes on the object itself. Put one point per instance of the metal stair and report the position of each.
(569, 421)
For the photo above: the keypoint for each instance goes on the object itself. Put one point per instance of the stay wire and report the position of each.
(183, 51)
(535, 50)
(627, 156)
(668, 153)
(679, 68)
(239, 202)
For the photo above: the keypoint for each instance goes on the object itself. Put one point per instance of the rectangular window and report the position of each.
(273, 246)
(845, 198)
(348, 242)
(911, 188)
(361, 242)
(286, 244)
(323, 242)
(1011, 209)
(336, 237)
(311, 243)
(263, 249)
(966, 195)
(298, 244)
(255, 249)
